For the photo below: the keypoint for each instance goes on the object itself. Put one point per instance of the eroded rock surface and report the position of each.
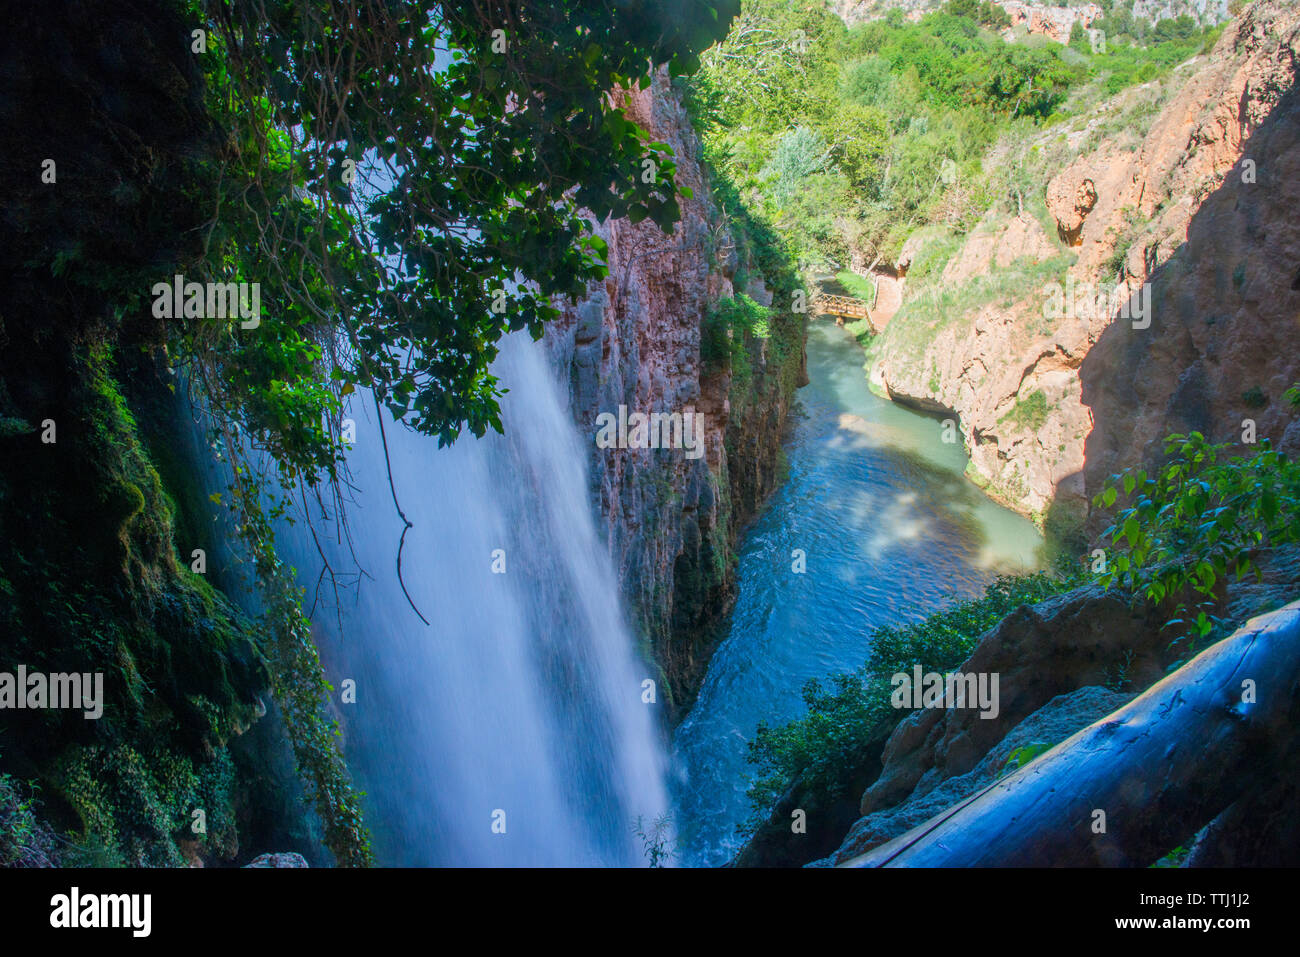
(1167, 199)
(635, 341)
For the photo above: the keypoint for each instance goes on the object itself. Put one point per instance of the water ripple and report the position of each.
(891, 530)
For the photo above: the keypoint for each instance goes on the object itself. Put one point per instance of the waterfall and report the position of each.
(523, 694)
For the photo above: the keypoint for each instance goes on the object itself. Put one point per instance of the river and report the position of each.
(510, 730)
(889, 530)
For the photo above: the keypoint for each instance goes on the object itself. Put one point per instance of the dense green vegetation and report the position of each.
(404, 184)
(848, 139)
(399, 220)
(90, 582)
(418, 211)
(823, 748)
(407, 215)
(1195, 524)
(25, 840)
(727, 331)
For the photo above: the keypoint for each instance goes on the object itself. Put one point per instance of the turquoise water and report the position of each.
(890, 531)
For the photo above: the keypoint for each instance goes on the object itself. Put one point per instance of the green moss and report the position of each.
(93, 584)
(1029, 413)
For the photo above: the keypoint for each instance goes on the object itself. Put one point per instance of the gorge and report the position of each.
(532, 517)
(874, 524)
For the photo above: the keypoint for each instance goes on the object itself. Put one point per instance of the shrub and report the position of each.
(798, 154)
(867, 81)
(1197, 520)
(824, 747)
(25, 841)
(1029, 413)
(946, 638)
(726, 325)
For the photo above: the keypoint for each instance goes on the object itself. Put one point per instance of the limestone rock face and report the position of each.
(671, 519)
(1224, 342)
(1054, 22)
(1070, 199)
(1197, 200)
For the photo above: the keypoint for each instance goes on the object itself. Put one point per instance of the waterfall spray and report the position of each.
(511, 729)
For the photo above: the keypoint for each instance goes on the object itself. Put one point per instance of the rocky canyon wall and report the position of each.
(673, 518)
(1053, 20)
(1224, 341)
(1146, 188)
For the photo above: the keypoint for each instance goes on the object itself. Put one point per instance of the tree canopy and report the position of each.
(407, 182)
(907, 110)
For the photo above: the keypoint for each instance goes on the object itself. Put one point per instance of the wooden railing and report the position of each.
(842, 306)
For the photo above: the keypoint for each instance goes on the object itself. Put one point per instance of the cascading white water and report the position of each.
(523, 695)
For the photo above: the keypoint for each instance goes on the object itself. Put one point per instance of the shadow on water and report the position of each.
(875, 524)
(952, 507)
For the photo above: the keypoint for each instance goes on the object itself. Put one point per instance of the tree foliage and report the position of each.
(798, 154)
(380, 169)
(406, 183)
(394, 171)
(908, 111)
(1195, 523)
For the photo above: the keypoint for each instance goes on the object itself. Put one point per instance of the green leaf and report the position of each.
(1132, 530)
(1268, 505)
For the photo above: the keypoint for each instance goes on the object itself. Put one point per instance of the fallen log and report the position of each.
(1129, 788)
